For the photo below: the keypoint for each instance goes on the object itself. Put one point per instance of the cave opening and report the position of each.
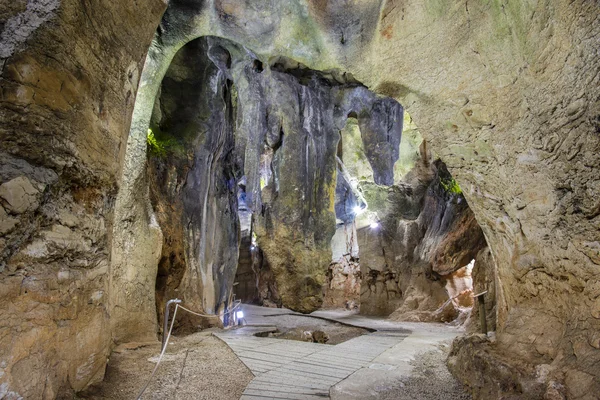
(296, 190)
(323, 195)
(402, 231)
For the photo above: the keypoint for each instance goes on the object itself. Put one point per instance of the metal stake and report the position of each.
(166, 320)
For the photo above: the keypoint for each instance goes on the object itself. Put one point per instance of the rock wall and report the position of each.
(504, 92)
(69, 76)
(484, 280)
(295, 183)
(342, 288)
(194, 183)
(291, 118)
(426, 232)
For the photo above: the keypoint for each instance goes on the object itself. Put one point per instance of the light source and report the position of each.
(374, 225)
(239, 314)
(357, 209)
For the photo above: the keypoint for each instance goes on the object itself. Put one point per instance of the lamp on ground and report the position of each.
(239, 316)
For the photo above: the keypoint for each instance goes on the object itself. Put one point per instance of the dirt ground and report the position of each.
(291, 327)
(198, 366)
(429, 380)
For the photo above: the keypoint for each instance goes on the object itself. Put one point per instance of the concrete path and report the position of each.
(393, 365)
(287, 369)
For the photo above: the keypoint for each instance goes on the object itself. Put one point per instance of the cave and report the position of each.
(299, 199)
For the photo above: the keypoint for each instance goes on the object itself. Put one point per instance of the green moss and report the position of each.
(450, 185)
(160, 144)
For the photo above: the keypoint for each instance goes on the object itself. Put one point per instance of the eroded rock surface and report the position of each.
(194, 183)
(426, 233)
(69, 79)
(504, 92)
(290, 121)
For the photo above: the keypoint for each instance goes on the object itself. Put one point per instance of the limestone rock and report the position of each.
(484, 280)
(511, 108)
(19, 195)
(320, 337)
(343, 284)
(192, 183)
(7, 223)
(65, 111)
(474, 361)
(426, 234)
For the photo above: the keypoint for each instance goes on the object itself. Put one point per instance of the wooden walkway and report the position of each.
(288, 369)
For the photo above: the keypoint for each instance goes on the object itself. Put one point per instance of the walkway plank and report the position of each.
(292, 370)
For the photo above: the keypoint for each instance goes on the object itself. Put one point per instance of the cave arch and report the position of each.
(530, 226)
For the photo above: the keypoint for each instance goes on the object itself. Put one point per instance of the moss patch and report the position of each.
(160, 144)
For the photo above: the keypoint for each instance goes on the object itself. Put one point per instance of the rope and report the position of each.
(162, 353)
(211, 315)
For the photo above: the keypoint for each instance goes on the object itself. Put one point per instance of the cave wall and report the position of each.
(506, 94)
(69, 76)
(292, 191)
(426, 233)
(193, 182)
(290, 118)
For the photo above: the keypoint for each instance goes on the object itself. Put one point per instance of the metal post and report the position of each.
(166, 321)
(482, 316)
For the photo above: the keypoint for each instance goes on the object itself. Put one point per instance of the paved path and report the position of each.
(288, 369)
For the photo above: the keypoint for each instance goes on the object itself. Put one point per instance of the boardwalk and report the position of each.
(287, 369)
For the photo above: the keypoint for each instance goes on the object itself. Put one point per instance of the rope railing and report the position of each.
(178, 305)
(236, 305)
(162, 353)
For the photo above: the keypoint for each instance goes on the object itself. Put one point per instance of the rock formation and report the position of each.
(193, 177)
(506, 93)
(69, 77)
(426, 232)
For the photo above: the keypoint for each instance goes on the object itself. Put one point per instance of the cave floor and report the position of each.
(392, 360)
(195, 367)
(395, 361)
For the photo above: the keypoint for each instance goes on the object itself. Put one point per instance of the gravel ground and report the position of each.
(429, 380)
(291, 327)
(197, 366)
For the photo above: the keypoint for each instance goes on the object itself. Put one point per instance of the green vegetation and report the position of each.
(160, 144)
(450, 185)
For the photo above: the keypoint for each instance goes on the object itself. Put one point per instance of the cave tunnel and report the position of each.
(299, 199)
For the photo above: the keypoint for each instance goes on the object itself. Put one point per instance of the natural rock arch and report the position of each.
(506, 92)
(489, 87)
